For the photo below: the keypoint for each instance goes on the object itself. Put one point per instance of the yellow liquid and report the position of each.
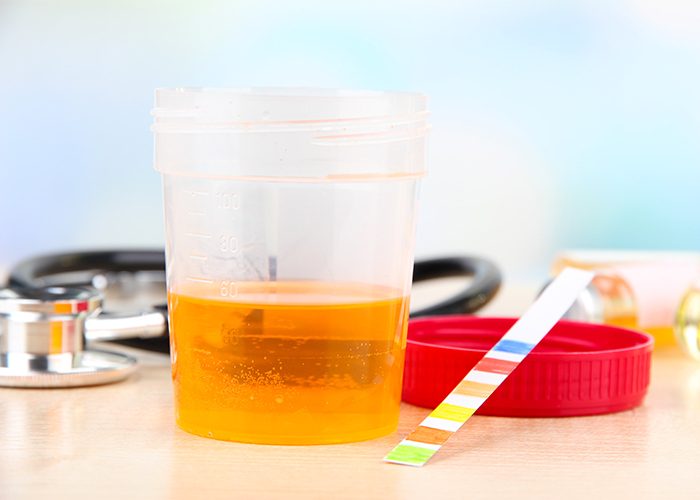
(663, 335)
(620, 306)
(289, 363)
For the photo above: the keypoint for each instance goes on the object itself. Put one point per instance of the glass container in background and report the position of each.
(687, 321)
(633, 289)
(290, 218)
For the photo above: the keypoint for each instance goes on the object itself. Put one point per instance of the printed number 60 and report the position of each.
(228, 289)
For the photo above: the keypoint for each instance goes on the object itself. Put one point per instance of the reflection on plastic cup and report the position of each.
(290, 220)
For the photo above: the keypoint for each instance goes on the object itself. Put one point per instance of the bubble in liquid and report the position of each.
(279, 399)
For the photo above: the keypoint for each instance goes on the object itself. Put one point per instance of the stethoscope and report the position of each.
(52, 310)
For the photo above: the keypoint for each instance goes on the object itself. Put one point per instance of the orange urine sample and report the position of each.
(289, 362)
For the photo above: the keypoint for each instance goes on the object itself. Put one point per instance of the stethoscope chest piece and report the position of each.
(42, 340)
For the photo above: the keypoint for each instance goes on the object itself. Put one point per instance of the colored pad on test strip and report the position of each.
(492, 370)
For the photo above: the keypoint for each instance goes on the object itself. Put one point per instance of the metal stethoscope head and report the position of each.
(44, 333)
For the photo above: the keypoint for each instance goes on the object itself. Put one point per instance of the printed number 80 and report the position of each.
(228, 243)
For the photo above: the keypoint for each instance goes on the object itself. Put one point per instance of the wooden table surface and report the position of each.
(121, 441)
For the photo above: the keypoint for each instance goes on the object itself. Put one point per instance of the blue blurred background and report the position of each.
(556, 124)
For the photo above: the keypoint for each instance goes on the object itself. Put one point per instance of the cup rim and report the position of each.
(294, 92)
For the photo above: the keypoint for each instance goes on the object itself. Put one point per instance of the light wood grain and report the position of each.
(121, 441)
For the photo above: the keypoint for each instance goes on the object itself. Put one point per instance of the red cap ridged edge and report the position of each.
(537, 387)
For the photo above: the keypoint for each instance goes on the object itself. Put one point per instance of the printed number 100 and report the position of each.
(227, 200)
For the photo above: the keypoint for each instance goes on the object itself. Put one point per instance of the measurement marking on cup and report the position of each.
(229, 289)
(195, 256)
(227, 200)
(195, 212)
(193, 192)
(228, 243)
(199, 280)
(200, 235)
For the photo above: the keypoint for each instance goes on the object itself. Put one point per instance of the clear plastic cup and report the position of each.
(290, 219)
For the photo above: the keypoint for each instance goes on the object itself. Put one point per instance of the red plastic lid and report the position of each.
(577, 369)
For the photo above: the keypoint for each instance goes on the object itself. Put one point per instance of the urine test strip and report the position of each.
(492, 370)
